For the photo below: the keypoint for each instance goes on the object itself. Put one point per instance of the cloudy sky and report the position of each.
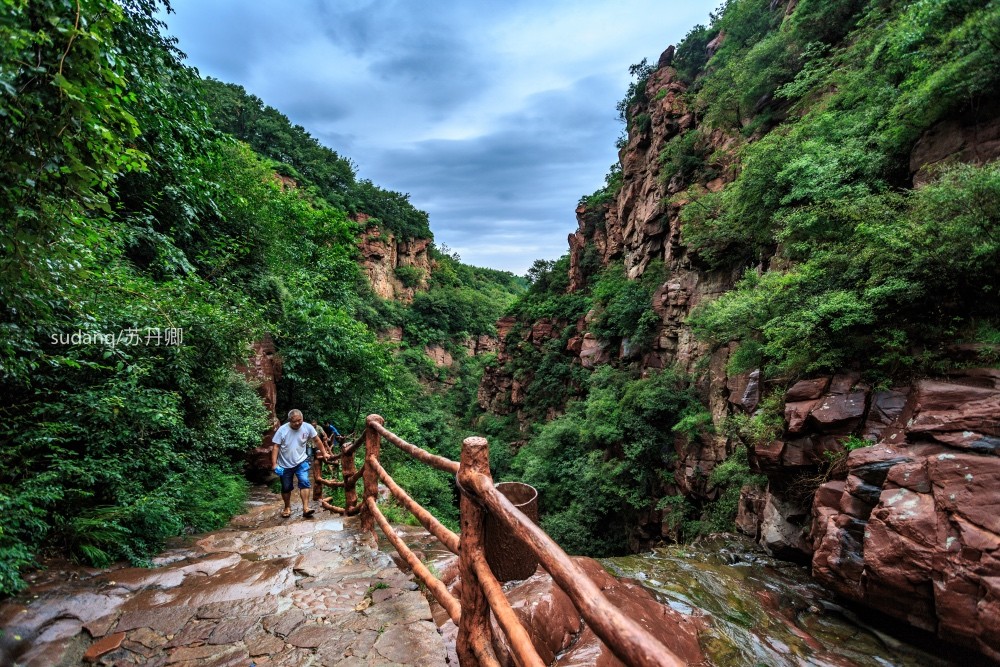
(496, 117)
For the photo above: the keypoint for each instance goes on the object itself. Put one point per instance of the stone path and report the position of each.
(265, 591)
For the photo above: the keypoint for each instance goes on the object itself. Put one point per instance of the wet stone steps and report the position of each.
(263, 591)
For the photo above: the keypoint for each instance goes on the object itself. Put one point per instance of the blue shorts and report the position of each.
(299, 472)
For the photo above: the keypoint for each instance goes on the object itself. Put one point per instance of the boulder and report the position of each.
(784, 529)
(441, 357)
(840, 413)
(807, 390)
(593, 351)
(560, 636)
(919, 519)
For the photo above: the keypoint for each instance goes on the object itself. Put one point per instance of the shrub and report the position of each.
(607, 459)
(410, 276)
(624, 307)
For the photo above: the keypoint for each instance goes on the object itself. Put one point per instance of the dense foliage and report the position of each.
(850, 255)
(304, 159)
(867, 269)
(144, 249)
(603, 463)
(461, 301)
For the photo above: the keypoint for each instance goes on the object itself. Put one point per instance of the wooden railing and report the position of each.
(481, 593)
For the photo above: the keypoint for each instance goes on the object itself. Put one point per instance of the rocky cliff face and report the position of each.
(910, 515)
(382, 254)
(263, 368)
(917, 517)
(640, 225)
(911, 518)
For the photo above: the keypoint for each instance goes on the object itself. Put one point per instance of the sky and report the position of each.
(495, 117)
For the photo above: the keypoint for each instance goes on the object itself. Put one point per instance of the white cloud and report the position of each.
(494, 117)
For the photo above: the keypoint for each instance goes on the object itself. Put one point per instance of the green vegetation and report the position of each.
(604, 462)
(303, 159)
(144, 248)
(684, 157)
(461, 301)
(844, 262)
(636, 95)
(870, 269)
(623, 308)
(410, 276)
(878, 276)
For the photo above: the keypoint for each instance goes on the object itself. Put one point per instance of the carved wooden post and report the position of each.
(474, 627)
(373, 442)
(348, 468)
(317, 474)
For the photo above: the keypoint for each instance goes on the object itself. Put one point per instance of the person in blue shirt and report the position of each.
(332, 432)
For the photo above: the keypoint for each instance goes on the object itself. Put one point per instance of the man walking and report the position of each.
(290, 459)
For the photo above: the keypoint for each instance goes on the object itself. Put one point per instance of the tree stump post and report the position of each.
(474, 631)
(373, 444)
(348, 469)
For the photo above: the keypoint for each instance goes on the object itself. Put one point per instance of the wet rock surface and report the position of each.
(917, 519)
(907, 524)
(756, 610)
(266, 591)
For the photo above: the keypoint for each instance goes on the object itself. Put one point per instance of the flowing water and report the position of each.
(764, 612)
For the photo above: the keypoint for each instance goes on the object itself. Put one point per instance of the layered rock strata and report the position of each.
(918, 516)
(382, 254)
(912, 515)
(843, 533)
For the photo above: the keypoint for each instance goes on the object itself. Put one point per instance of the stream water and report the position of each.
(764, 612)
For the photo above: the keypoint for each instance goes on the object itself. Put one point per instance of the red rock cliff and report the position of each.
(383, 254)
(909, 525)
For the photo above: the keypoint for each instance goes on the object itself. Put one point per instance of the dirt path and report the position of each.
(263, 591)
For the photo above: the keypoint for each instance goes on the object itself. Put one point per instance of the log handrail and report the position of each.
(422, 455)
(628, 640)
(433, 526)
(481, 592)
(524, 651)
(435, 585)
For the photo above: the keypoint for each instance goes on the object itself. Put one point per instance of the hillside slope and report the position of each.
(805, 191)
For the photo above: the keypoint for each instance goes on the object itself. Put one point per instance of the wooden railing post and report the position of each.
(373, 443)
(474, 643)
(317, 474)
(348, 468)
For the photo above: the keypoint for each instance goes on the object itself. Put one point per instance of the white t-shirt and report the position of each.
(292, 444)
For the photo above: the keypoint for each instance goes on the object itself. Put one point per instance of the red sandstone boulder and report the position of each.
(555, 627)
(843, 383)
(840, 414)
(796, 414)
(919, 522)
(504, 326)
(440, 356)
(945, 407)
(593, 352)
(886, 409)
(541, 331)
(770, 454)
(914, 528)
(807, 390)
